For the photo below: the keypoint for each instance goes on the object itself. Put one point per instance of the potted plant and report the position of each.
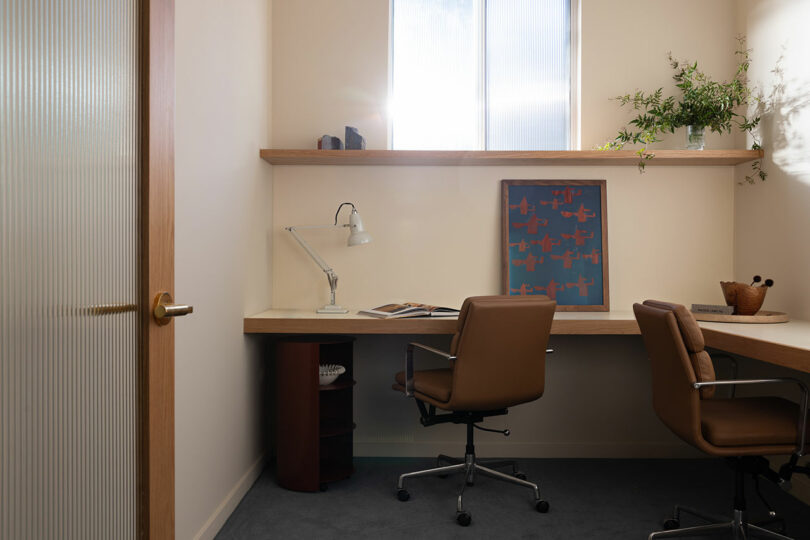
(703, 103)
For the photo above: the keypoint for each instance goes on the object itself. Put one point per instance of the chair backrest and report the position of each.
(693, 340)
(675, 400)
(500, 346)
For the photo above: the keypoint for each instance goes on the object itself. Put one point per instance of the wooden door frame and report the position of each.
(155, 469)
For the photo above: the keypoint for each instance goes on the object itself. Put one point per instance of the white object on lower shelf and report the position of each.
(329, 372)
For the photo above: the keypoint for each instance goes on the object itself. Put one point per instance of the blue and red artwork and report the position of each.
(555, 241)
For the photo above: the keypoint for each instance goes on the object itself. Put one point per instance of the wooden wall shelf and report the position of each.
(485, 158)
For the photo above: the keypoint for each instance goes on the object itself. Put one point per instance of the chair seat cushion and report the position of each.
(436, 383)
(749, 421)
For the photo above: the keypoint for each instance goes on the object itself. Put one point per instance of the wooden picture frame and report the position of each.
(554, 241)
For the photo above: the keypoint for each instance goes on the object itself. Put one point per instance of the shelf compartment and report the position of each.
(333, 428)
(341, 383)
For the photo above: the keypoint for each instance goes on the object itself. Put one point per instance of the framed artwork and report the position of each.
(554, 241)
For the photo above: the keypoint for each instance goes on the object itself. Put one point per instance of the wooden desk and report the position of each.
(289, 321)
(784, 344)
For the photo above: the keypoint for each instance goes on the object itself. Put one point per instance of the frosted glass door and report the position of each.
(69, 184)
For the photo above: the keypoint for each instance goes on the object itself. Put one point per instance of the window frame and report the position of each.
(575, 59)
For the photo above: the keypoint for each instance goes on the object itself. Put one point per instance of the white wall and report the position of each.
(437, 229)
(223, 255)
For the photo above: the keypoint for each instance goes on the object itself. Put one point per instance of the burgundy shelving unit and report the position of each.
(314, 423)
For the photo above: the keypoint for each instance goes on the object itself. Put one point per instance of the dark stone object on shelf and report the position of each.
(327, 142)
(354, 141)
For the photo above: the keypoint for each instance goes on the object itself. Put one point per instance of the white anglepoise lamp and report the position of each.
(357, 236)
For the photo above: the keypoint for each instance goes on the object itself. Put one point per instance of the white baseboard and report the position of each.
(528, 449)
(222, 512)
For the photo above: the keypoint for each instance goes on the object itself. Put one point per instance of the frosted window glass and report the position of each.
(481, 74)
(435, 98)
(528, 74)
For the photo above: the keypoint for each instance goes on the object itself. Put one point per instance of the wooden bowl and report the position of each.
(730, 291)
(746, 299)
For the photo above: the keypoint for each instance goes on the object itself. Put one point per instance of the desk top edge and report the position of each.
(291, 321)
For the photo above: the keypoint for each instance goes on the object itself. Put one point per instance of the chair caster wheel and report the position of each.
(541, 506)
(672, 523)
(403, 495)
(463, 518)
(520, 476)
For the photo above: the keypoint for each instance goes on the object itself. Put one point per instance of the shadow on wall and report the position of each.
(785, 113)
(771, 218)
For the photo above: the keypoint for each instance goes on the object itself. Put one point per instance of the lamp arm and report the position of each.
(317, 258)
(330, 274)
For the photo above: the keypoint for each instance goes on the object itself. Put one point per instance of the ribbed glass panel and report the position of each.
(528, 74)
(68, 210)
(435, 100)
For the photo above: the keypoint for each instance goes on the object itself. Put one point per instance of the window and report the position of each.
(481, 74)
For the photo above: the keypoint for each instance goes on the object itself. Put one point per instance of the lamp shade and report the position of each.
(357, 233)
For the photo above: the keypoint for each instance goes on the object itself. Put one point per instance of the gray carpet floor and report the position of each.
(589, 498)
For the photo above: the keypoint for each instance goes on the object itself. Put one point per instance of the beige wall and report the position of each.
(330, 70)
(331, 63)
(772, 218)
(624, 48)
(223, 205)
(415, 212)
(437, 230)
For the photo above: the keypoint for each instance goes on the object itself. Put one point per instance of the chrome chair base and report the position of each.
(739, 527)
(470, 466)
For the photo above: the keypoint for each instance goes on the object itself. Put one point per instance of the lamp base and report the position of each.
(333, 309)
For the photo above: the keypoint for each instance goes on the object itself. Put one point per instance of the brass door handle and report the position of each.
(108, 309)
(165, 309)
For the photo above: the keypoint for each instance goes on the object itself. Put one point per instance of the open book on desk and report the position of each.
(408, 309)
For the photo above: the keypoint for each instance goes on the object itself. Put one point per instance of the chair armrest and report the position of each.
(802, 426)
(409, 363)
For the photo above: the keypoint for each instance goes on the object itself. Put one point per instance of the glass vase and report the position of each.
(695, 137)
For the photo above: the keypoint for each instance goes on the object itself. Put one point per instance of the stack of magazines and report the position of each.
(712, 308)
(409, 309)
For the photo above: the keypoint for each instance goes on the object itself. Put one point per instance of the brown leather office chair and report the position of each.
(497, 360)
(741, 429)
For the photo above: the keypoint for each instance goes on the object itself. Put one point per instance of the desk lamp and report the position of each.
(357, 236)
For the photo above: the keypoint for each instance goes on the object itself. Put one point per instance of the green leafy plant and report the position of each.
(702, 102)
